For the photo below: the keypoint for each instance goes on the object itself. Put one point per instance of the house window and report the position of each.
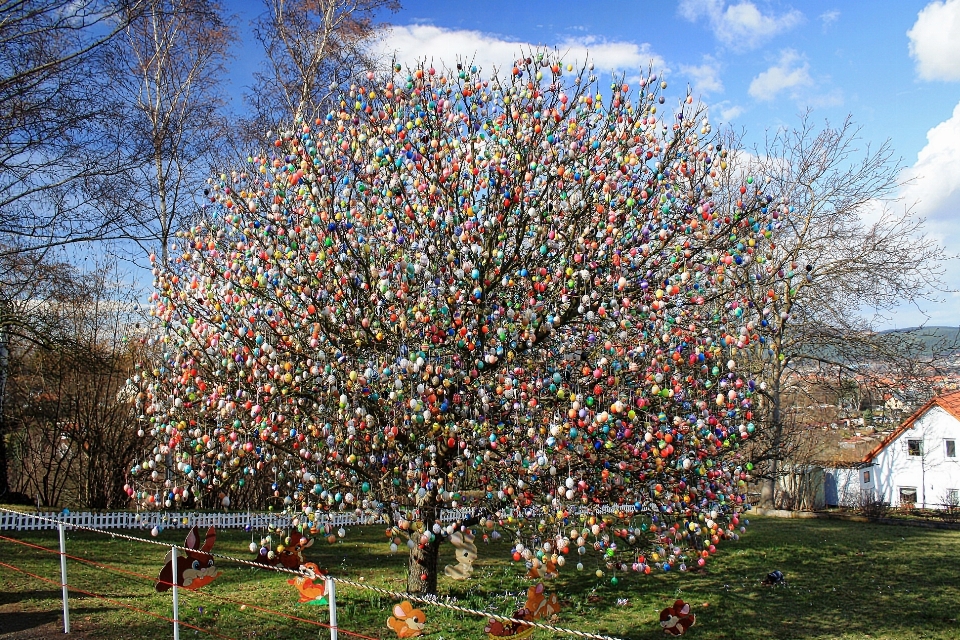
(951, 448)
(866, 477)
(915, 447)
(953, 498)
(908, 495)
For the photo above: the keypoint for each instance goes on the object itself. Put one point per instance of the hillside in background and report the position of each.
(930, 341)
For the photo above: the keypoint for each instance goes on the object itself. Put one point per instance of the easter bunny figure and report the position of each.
(406, 621)
(466, 555)
(195, 566)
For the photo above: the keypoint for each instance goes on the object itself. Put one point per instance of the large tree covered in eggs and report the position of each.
(498, 292)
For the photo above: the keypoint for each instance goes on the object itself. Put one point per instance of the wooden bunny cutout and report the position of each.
(677, 619)
(289, 555)
(406, 621)
(311, 584)
(195, 566)
(466, 555)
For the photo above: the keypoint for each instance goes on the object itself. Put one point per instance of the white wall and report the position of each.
(841, 487)
(932, 473)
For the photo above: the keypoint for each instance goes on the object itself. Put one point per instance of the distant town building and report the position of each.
(893, 403)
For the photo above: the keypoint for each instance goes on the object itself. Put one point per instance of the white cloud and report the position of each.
(824, 99)
(705, 77)
(935, 178)
(933, 190)
(421, 41)
(741, 26)
(827, 18)
(935, 41)
(789, 73)
(615, 56)
(727, 111)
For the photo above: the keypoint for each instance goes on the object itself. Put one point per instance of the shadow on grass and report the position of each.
(12, 597)
(22, 621)
(26, 620)
(842, 581)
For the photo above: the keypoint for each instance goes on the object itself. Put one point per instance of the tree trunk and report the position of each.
(768, 490)
(4, 368)
(422, 564)
(4, 479)
(422, 568)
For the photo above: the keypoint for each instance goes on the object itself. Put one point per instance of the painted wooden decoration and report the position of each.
(540, 605)
(406, 621)
(289, 555)
(195, 567)
(543, 570)
(677, 619)
(311, 586)
(466, 554)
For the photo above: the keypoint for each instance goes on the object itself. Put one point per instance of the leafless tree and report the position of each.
(71, 429)
(852, 255)
(107, 347)
(42, 445)
(32, 286)
(167, 71)
(309, 46)
(52, 118)
(34, 323)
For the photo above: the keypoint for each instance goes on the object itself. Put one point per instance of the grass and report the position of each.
(844, 580)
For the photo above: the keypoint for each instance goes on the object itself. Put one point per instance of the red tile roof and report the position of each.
(949, 402)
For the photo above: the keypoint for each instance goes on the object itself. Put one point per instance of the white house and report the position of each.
(918, 462)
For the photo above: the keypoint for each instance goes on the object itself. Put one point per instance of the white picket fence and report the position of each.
(254, 520)
(10, 521)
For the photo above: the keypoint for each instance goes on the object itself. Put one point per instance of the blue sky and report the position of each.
(894, 65)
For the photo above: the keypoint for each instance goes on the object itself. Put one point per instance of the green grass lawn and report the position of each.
(845, 580)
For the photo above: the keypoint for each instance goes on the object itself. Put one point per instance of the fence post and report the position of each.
(63, 578)
(176, 597)
(332, 599)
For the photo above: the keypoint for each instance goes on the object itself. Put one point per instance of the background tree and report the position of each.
(167, 75)
(52, 141)
(53, 119)
(70, 427)
(464, 290)
(42, 440)
(845, 256)
(32, 287)
(107, 436)
(310, 47)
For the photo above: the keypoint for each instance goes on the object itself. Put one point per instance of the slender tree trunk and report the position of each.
(4, 478)
(163, 213)
(4, 368)
(768, 490)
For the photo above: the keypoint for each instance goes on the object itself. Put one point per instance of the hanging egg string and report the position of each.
(424, 195)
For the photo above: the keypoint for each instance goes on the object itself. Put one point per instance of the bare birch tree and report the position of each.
(167, 73)
(852, 255)
(310, 45)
